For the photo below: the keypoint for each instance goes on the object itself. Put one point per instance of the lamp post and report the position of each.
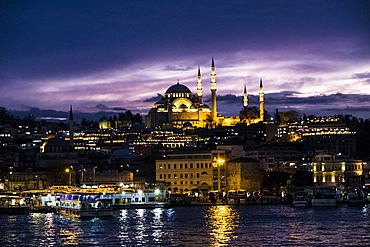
(94, 174)
(11, 176)
(69, 174)
(220, 163)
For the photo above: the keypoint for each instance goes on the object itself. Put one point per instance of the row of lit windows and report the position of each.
(329, 178)
(185, 166)
(183, 182)
(185, 175)
(336, 167)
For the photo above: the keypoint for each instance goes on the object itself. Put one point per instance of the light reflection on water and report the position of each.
(221, 220)
(195, 226)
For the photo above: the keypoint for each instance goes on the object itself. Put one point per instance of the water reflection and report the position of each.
(221, 220)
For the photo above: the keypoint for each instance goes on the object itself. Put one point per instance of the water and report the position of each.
(195, 226)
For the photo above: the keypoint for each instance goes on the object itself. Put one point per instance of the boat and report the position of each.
(135, 199)
(356, 198)
(82, 205)
(14, 204)
(300, 199)
(325, 196)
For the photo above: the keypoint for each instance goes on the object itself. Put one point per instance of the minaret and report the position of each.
(245, 100)
(261, 101)
(71, 128)
(213, 90)
(199, 86)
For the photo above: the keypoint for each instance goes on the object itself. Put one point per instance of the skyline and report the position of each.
(313, 56)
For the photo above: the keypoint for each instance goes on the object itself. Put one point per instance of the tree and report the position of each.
(137, 118)
(288, 116)
(129, 115)
(248, 114)
(277, 117)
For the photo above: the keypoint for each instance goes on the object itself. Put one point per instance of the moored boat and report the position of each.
(82, 205)
(325, 196)
(300, 199)
(356, 198)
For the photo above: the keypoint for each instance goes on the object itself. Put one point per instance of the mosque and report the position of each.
(180, 108)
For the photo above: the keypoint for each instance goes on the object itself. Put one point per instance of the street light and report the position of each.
(70, 175)
(220, 163)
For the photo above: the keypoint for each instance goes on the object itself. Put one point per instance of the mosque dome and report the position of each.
(56, 142)
(103, 119)
(178, 88)
(136, 127)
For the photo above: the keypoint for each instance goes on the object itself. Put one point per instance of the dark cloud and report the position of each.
(155, 98)
(65, 49)
(363, 76)
(177, 68)
(327, 105)
(101, 107)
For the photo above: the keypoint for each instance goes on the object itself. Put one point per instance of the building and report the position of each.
(334, 170)
(179, 107)
(243, 174)
(329, 135)
(190, 171)
(271, 155)
(56, 152)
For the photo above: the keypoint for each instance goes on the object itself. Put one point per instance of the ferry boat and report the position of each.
(325, 196)
(14, 204)
(82, 205)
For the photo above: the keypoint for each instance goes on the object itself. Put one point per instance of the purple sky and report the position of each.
(313, 56)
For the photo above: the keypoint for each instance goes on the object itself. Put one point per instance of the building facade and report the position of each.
(189, 171)
(333, 170)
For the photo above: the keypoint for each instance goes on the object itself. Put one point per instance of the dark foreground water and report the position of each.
(195, 226)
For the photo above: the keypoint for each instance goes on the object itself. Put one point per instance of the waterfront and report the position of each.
(258, 225)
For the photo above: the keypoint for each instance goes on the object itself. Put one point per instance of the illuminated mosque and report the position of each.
(180, 108)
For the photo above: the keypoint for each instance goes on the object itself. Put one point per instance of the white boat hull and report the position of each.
(331, 202)
(300, 204)
(85, 213)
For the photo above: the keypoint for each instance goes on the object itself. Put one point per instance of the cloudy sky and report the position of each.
(313, 56)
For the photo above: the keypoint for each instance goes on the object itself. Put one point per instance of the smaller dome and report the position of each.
(103, 119)
(56, 142)
(187, 124)
(136, 126)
